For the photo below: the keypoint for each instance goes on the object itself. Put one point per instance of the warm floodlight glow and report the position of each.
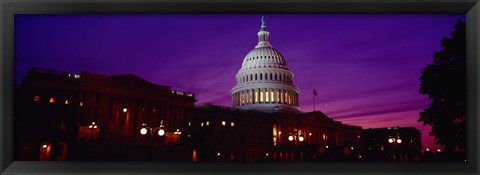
(300, 138)
(161, 132)
(399, 140)
(44, 146)
(427, 149)
(439, 150)
(218, 154)
(390, 140)
(143, 131)
(352, 148)
(124, 109)
(290, 138)
(95, 126)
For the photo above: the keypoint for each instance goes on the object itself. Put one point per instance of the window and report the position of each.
(261, 76)
(271, 95)
(52, 100)
(266, 96)
(255, 76)
(66, 102)
(251, 77)
(224, 123)
(189, 123)
(261, 96)
(201, 124)
(81, 103)
(36, 98)
(207, 123)
(256, 96)
(232, 123)
(275, 77)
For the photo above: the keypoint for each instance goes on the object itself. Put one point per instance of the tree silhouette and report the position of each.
(444, 80)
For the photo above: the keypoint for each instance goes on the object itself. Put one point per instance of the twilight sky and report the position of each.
(365, 68)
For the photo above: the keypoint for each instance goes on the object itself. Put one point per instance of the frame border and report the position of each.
(8, 9)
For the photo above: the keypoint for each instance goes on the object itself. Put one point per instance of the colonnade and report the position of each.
(265, 95)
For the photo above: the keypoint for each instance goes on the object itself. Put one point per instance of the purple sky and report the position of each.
(365, 68)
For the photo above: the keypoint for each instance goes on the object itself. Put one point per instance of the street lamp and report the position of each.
(395, 141)
(177, 132)
(92, 126)
(296, 136)
(146, 129)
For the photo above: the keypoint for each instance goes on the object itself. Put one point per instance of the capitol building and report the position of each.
(264, 82)
(89, 116)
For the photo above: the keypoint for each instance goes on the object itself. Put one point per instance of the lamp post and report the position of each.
(296, 136)
(177, 132)
(146, 129)
(395, 141)
(92, 126)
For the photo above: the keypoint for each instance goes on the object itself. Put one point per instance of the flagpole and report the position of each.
(314, 94)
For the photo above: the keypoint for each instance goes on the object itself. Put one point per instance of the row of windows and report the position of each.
(268, 57)
(256, 96)
(36, 98)
(266, 76)
(223, 123)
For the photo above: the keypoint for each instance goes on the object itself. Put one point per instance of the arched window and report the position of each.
(280, 77)
(271, 76)
(243, 81)
(284, 79)
(251, 77)
(266, 76)
(261, 76)
(275, 76)
(255, 76)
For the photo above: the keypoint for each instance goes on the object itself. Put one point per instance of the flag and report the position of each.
(314, 92)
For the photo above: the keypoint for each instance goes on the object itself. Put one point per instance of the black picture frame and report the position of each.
(8, 9)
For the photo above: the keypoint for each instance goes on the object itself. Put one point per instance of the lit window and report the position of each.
(77, 76)
(124, 109)
(261, 97)
(36, 98)
(256, 97)
(66, 102)
(224, 123)
(81, 103)
(52, 100)
(201, 124)
(271, 95)
(278, 96)
(189, 123)
(207, 123)
(266, 97)
(232, 123)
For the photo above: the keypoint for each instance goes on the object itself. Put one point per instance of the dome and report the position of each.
(264, 57)
(264, 82)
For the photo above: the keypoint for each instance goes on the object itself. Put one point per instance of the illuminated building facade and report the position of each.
(61, 113)
(231, 134)
(264, 82)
